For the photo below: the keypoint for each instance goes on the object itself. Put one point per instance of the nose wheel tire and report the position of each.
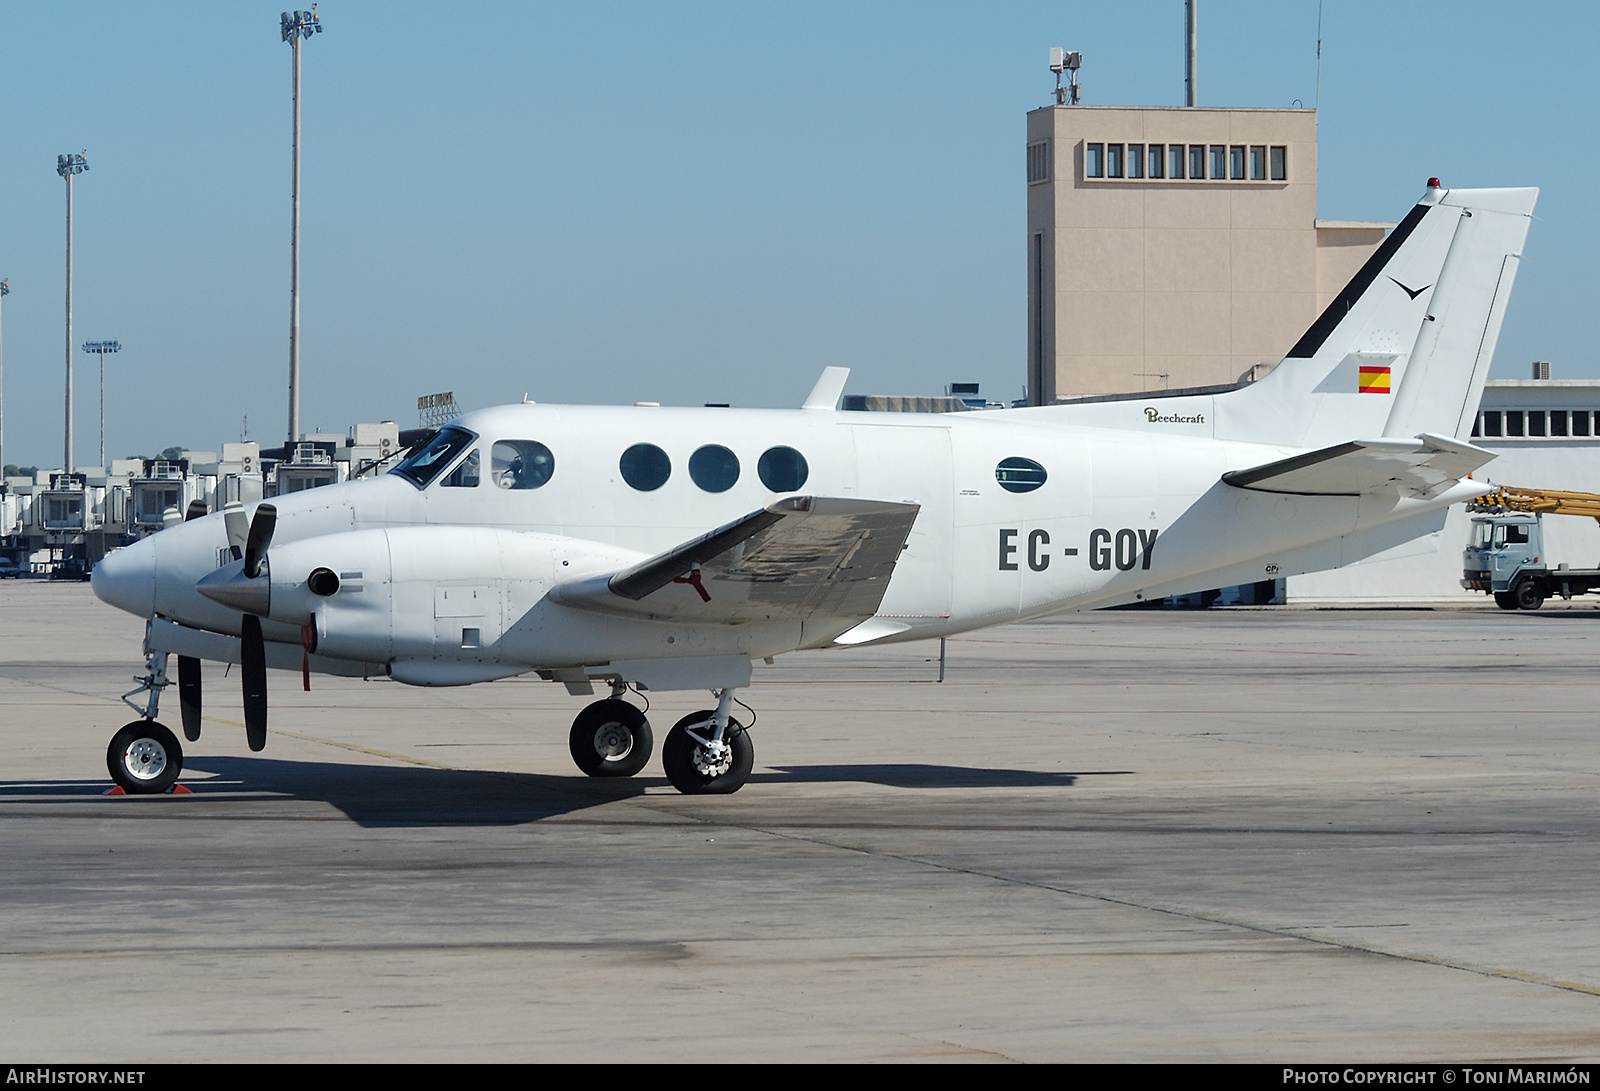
(696, 768)
(144, 758)
(611, 738)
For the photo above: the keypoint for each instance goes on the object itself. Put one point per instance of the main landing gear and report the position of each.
(144, 758)
(611, 738)
(705, 753)
(709, 752)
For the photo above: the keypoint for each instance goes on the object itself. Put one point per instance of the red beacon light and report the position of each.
(1433, 183)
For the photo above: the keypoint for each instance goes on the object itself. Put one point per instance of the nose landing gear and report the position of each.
(144, 758)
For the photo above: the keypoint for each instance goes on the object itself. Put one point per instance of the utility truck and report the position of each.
(1506, 555)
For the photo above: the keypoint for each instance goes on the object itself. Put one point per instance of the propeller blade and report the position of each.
(253, 671)
(189, 695)
(238, 527)
(197, 508)
(255, 547)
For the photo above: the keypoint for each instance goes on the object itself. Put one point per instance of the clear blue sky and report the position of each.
(706, 202)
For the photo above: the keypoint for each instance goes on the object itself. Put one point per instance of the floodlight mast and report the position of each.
(5, 290)
(295, 27)
(67, 166)
(100, 348)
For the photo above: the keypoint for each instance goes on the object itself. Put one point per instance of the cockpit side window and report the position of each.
(465, 475)
(521, 464)
(425, 463)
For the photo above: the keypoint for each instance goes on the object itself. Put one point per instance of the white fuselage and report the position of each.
(1121, 515)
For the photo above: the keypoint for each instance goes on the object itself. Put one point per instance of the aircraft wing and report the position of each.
(1422, 467)
(798, 558)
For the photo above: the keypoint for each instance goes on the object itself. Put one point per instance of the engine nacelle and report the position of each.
(435, 601)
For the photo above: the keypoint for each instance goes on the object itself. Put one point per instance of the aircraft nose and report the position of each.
(126, 579)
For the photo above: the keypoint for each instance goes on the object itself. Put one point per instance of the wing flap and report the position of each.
(1423, 467)
(799, 558)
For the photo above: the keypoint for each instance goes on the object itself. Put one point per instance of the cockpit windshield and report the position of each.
(425, 463)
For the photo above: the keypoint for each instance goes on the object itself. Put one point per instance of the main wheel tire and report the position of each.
(688, 764)
(611, 738)
(1505, 600)
(1529, 595)
(144, 758)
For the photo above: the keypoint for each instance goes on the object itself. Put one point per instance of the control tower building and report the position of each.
(1173, 248)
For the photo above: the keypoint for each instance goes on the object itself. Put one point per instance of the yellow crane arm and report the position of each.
(1549, 501)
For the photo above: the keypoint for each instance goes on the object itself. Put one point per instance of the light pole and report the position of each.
(5, 290)
(67, 166)
(296, 27)
(100, 348)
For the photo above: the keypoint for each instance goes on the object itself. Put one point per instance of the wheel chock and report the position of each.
(114, 790)
(175, 790)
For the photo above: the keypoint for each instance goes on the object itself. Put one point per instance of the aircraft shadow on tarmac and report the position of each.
(410, 795)
(390, 795)
(369, 795)
(924, 776)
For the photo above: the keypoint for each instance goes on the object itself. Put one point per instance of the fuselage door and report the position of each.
(911, 464)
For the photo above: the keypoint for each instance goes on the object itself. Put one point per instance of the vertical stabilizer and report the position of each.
(1451, 357)
(1337, 382)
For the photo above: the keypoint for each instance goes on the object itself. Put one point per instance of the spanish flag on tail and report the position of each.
(1372, 380)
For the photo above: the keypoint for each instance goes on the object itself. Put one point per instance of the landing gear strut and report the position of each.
(709, 752)
(144, 758)
(611, 738)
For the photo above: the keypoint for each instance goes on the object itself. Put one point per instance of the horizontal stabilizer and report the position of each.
(1423, 467)
(800, 558)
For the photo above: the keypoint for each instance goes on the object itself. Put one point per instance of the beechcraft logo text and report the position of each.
(1153, 415)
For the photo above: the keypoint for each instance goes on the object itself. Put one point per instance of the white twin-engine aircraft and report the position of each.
(665, 549)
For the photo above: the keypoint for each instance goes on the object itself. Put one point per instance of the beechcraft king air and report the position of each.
(665, 549)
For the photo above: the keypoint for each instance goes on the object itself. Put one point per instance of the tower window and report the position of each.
(1038, 162)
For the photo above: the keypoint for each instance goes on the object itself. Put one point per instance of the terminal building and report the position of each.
(61, 524)
(1547, 435)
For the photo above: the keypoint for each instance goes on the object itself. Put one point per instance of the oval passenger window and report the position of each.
(645, 466)
(521, 464)
(1019, 474)
(714, 468)
(783, 469)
